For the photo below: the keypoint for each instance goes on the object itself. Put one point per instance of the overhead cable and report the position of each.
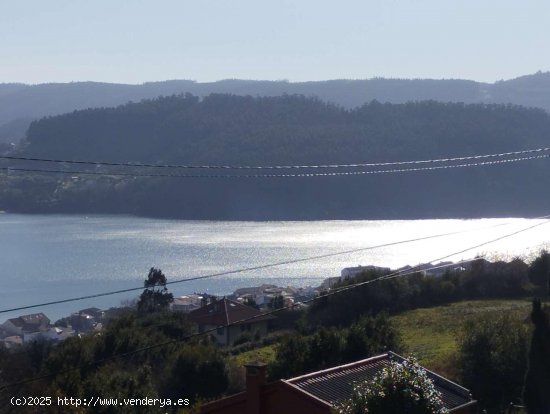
(274, 167)
(333, 292)
(211, 330)
(297, 175)
(252, 268)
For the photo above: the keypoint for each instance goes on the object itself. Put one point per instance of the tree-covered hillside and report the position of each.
(20, 103)
(226, 129)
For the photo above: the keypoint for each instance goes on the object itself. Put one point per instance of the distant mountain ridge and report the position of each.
(20, 103)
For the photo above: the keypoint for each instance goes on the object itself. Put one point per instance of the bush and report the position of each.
(493, 359)
(399, 388)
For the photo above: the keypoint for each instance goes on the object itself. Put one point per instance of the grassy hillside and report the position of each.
(431, 334)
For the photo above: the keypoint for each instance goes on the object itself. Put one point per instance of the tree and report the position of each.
(329, 346)
(292, 357)
(155, 297)
(277, 302)
(196, 371)
(325, 348)
(118, 381)
(399, 388)
(371, 335)
(539, 271)
(492, 354)
(537, 381)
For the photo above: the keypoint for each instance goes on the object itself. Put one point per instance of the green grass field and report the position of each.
(431, 334)
(265, 354)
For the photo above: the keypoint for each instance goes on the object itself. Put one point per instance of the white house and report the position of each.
(186, 303)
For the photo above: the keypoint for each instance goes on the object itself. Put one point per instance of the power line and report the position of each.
(211, 330)
(251, 268)
(403, 272)
(298, 175)
(274, 167)
(479, 245)
(330, 293)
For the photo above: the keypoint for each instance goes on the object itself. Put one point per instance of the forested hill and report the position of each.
(225, 129)
(20, 103)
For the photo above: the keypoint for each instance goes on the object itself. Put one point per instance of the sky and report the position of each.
(134, 41)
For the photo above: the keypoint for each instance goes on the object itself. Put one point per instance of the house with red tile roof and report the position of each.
(320, 392)
(230, 320)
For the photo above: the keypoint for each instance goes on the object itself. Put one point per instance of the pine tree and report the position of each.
(155, 297)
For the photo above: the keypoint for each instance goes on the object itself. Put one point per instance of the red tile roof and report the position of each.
(225, 312)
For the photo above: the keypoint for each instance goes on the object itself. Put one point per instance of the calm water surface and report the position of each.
(45, 258)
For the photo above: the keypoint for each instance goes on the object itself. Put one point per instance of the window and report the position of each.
(220, 330)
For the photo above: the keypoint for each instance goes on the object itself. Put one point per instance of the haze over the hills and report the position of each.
(20, 103)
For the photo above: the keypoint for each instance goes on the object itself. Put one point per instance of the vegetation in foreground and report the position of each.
(492, 340)
(433, 334)
(399, 388)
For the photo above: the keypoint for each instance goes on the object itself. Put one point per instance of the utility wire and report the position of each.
(390, 276)
(251, 268)
(415, 269)
(275, 167)
(211, 330)
(403, 272)
(298, 175)
(330, 293)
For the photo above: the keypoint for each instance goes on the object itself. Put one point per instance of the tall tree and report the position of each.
(539, 270)
(155, 297)
(492, 352)
(537, 382)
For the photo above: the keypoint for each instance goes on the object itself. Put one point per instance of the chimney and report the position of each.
(255, 379)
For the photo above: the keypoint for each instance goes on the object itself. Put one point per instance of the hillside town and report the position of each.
(26, 328)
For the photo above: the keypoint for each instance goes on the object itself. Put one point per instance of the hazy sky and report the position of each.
(133, 41)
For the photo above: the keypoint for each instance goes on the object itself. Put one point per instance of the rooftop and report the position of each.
(31, 319)
(335, 385)
(225, 312)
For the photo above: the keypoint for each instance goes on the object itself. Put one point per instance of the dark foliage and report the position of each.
(155, 297)
(400, 388)
(199, 371)
(537, 382)
(481, 279)
(188, 369)
(277, 302)
(242, 130)
(20, 103)
(298, 354)
(539, 272)
(493, 360)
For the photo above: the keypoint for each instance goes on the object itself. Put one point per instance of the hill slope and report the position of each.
(224, 129)
(22, 103)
